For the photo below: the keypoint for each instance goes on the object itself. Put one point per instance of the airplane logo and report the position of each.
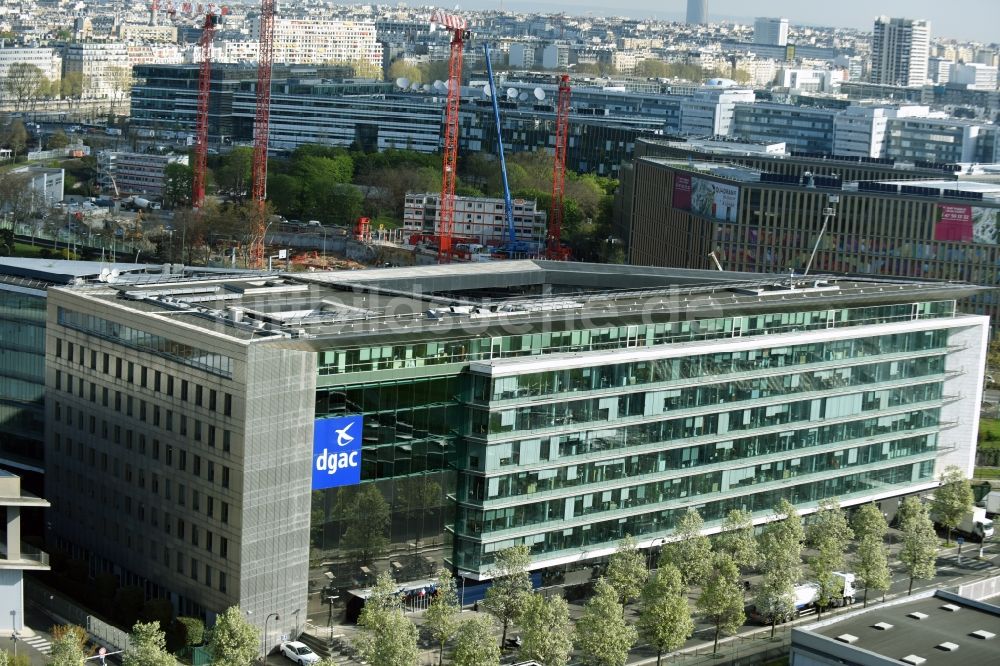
(343, 439)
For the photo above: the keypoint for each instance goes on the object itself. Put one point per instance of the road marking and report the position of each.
(39, 643)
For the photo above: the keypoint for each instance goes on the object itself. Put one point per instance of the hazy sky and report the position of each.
(961, 19)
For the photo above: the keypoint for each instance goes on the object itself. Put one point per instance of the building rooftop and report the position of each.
(434, 301)
(936, 627)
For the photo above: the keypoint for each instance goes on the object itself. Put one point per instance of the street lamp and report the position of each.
(263, 639)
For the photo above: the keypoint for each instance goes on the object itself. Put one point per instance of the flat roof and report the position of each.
(937, 626)
(486, 298)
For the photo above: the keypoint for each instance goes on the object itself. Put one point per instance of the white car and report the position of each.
(299, 653)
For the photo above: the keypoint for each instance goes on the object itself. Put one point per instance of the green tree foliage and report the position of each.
(919, 541)
(234, 642)
(546, 630)
(869, 523)
(6, 242)
(829, 534)
(57, 140)
(405, 69)
(23, 84)
(603, 637)
(178, 180)
(872, 566)
(233, 173)
(651, 68)
(68, 645)
(475, 644)
(627, 571)
(737, 539)
(952, 499)
(387, 637)
(691, 553)
(194, 630)
(721, 598)
(664, 616)
(147, 646)
(781, 564)
(15, 137)
(365, 515)
(506, 596)
(442, 616)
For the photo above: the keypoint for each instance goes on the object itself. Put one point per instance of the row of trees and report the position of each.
(25, 85)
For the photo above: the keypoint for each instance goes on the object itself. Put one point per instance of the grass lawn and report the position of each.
(986, 473)
(989, 434)
(26, 250)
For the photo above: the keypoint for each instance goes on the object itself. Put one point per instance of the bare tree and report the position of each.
(120, 79)
(23, 84)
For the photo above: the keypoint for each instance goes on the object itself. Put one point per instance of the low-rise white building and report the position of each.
(47, 185)
(46, 59)
(974, 75)
(477, 220)
(134, 173)
(709, 112)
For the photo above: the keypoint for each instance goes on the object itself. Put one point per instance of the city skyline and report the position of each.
(977, 22)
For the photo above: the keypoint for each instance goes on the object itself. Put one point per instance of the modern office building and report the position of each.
(478, 220)
(770, 31)
(973, 75)
(122, 173)
(770, 223)
(900, 51)
(802, 128)
(710, 110)
(16, 557)
(697, 12)
(262, 440)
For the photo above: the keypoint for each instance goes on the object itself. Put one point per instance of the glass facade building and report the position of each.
(561, 406)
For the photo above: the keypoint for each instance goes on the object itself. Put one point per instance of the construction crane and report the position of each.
(458, 28)
(555, 249)
(212, 17)
(261, 130)
(508, 210)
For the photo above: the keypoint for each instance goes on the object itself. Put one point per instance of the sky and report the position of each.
(966, 20)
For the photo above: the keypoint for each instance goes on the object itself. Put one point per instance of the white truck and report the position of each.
(807, 594)
(976, 525)
(991, 503)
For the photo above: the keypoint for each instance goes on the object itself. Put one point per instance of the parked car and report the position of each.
(299, 653)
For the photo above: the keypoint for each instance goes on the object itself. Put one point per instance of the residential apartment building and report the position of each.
(124, 173)
(471, 407)
(974, 75)
(314, 41)
(48, 60)
(102, 65)
(900, 50)
(478, 220)
(934, 228)
(521, 56)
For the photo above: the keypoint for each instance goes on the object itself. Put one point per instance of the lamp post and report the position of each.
(263, 640)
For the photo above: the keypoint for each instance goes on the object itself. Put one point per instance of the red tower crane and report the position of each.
(458, 28)
(201, 119)
(261, 130)
(555, 249)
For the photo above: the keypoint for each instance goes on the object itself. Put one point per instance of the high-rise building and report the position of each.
(697, 13)
(771, 31)
(900, 50)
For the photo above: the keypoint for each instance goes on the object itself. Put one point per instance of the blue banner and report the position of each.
(337, 452)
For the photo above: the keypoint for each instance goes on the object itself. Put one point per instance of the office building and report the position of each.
(122, 173)
(973, 75)
(900, 51)
(710, 110)
(932, 228)
(478, 220)
(18, 556)
(555, 56)
(261, 440)
(48, 60)
(802, 128)
(770, 31)
(932, 628)
(697, 12)
(521, 56)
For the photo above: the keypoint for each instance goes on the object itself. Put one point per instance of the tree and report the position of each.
(120, 81)
(23, 83)
(405, 69)
(721, 598)
(16, 136)
(71, 87)
(664, 616)
(57, 140)
(651, 68)
(147, 646)
(365, 514)
(691, 552)
(178, 181)
(475, 644)
(546, 630)
(602, 635)
(737, 539)
(829, 534)
(194, 630)
(387, 637)
(952, 499)
(872, 567)
(627, 571)
(442, 616)
(919, 550)
(511, 584)
(781, 563)
(233, 174)
(234, 642)
(68, 645)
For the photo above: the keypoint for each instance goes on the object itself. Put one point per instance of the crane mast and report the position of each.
(555, 249)
(201, 120)
(261, 130)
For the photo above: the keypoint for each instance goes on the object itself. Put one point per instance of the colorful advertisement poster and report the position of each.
(954, 223)
(682, 191)
(713, 199)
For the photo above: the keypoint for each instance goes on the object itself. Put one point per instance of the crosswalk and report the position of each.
(39, 643)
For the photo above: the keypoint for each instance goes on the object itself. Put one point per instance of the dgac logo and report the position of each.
(337, 452)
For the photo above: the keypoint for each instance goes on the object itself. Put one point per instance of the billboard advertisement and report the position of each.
(714, 199)
(337, 452)
(682, 191)
(962, 223)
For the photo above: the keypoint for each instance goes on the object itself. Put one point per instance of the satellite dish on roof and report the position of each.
(427, 87)
(487, 91)
(105, 272)
(113, 275)
(539, 94)
(415, 86)
(403, 83)
(439, 85)
(523, 97)
(511, 93)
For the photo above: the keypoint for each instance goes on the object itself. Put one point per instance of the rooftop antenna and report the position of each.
(715, 258)
(828, 213)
